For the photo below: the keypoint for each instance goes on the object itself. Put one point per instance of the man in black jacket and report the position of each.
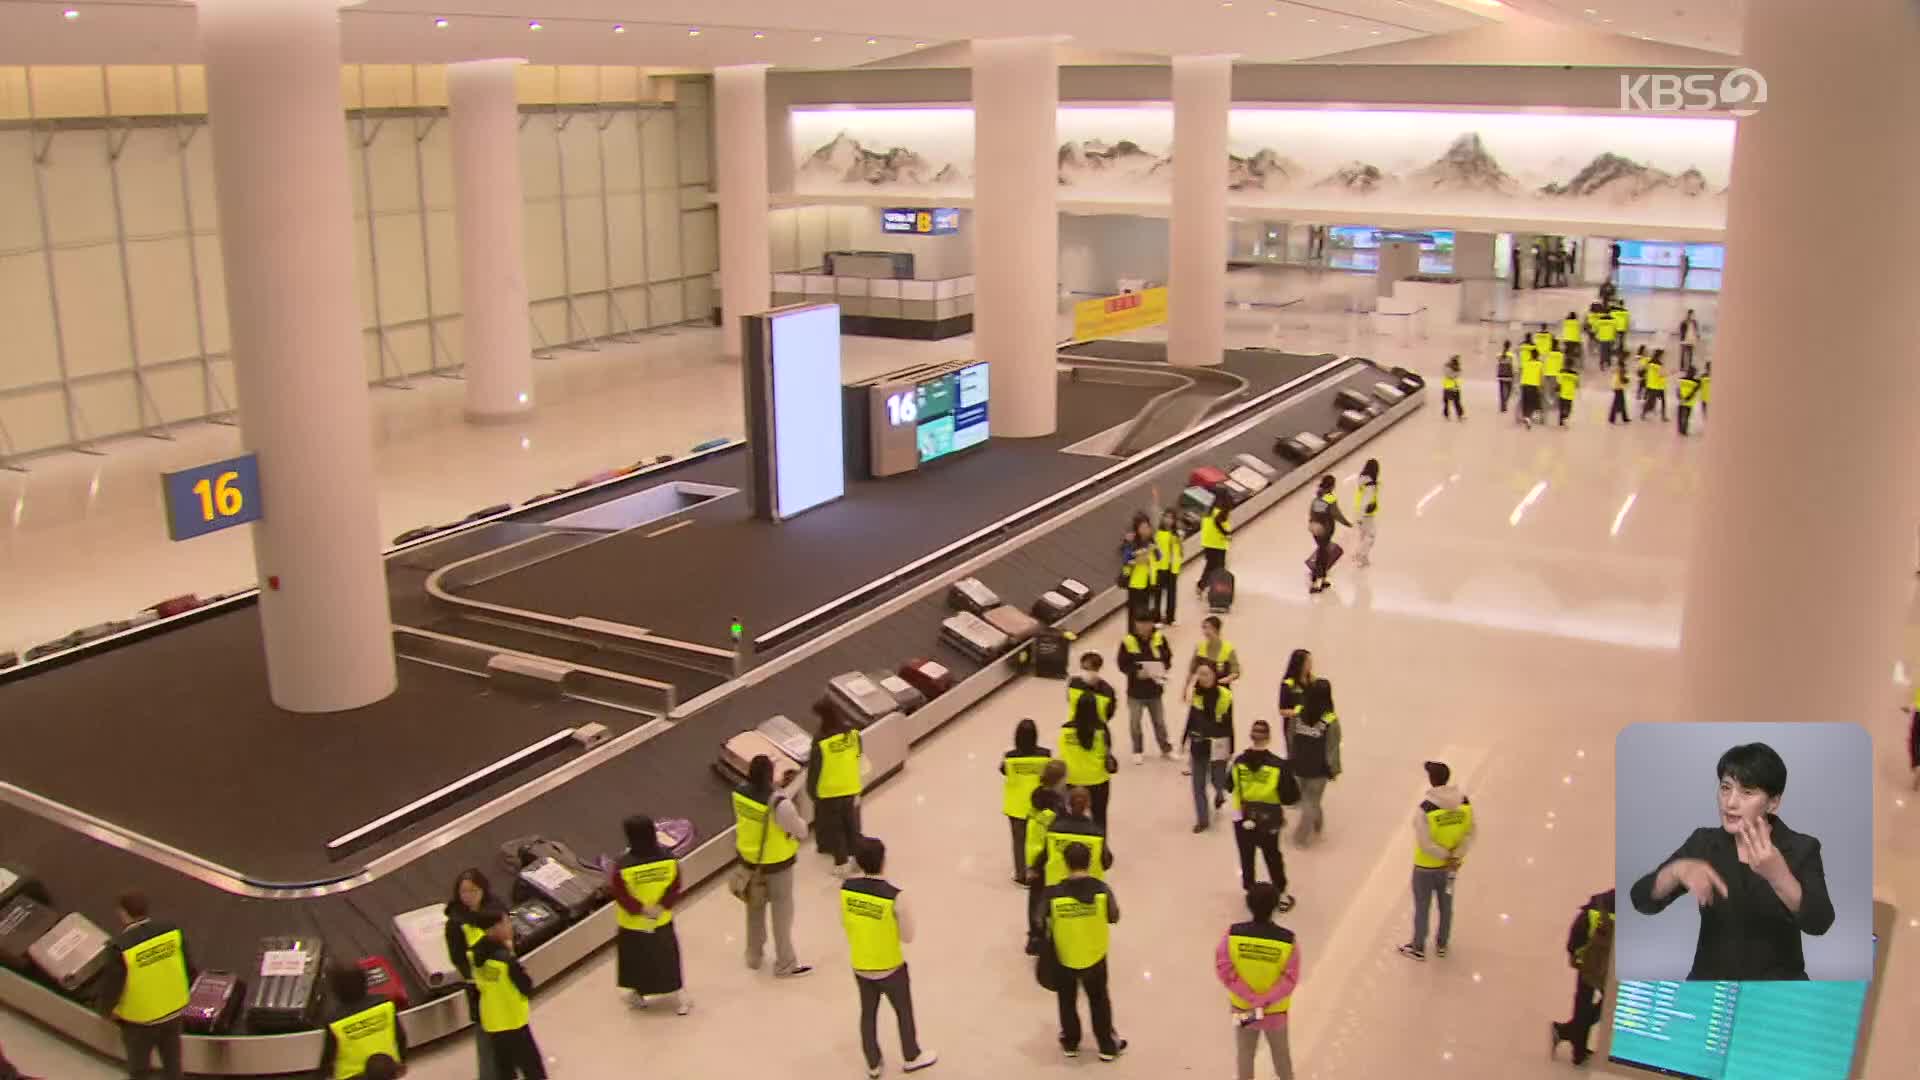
(1262, 785)
(1145, 658)
(1079, 911)
(147, 989)
(1590, 953)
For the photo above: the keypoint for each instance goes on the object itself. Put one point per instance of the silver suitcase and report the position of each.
(1075, 591)
(1312, 441)
(974, 636)
(907, 697)
(970, 595)
(73, 952)
(421, 937)
(738, 753)
(1389, 393)
(791, 738)
(1249, 479)
(1257, 465)
(860, 698)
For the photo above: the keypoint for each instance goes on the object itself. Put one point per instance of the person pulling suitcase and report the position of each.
(1322, 516)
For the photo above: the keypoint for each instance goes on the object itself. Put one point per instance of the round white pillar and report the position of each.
(1016, 250)
(740, 160)
(1197, 276)
(496, 341)
(286, 241)
(1797, 587)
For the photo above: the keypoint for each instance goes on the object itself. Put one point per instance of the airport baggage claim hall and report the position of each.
(487, 438)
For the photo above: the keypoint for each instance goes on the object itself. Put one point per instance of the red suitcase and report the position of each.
(926, 676)
(176, 605)
(383, 980)
(1206, 476)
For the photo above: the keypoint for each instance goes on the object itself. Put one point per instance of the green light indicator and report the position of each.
(736, 629)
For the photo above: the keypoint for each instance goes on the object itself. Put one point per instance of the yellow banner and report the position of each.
(1112, 315)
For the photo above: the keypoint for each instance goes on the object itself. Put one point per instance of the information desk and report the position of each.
(878, 307)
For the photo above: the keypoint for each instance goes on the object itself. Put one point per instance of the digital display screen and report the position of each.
(935, 221)
(1699, 256)
(1366, 238)
(948, 412)
(1739, 1030)
(809, 461)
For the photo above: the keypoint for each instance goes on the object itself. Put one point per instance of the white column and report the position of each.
(1197, 278)
(1801, 563)
(740, 156)
(496, 341)
(286, 241)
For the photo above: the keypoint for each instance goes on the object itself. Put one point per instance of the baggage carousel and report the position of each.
(563, 665)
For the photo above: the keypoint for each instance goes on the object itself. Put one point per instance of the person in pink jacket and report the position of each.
(1259, 963)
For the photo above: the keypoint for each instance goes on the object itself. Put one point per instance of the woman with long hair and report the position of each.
(767, 835)
(1022, 768)
(1294, 683)
(1086, 745)
(472, 894)
(833, 779)
(645, 883)
(1313, 752)
(1366, 507)
(1322, 515)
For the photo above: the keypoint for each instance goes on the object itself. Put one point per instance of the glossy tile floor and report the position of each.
(1523, 605)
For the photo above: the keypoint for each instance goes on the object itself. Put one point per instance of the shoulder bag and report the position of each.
(748, 884)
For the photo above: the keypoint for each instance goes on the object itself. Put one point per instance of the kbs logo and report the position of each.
(1125, 302)
(1737, 92)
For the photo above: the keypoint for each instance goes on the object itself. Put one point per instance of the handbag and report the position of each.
(748, 884)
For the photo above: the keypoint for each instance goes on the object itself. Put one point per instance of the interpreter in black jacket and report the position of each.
(350, 996)
(1759, 884)
(1146, 684)
(1262, 784)
(1208, 737)
(144, 1036)
(1590, 953)
(472, 894)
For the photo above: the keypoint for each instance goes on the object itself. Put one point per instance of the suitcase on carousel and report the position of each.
(1249, 461)
(213, 1002)
(1052, 607)
(383, 980)
(1206, 476)
(928, 676)
(677, 836)
(970, 595)
(1220, 592)
(859, 698)
(907, 698)
(792, 739)
(534, 924)
(739, 752)
(567, 890)
(23, 921)
(1017, 625)
(1299, 448)
(1409, 381)
(176, 605)
(1389, 393)
(974, 637)
(1076, 591)
(1231, 493)
(420, 935)
(1251, 481)
(1350, 399)
(1197, 500)
(285, 993)
(19, 881)
(1353, 420)
(73, 952)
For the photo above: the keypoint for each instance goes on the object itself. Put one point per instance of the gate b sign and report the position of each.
(1737, 92)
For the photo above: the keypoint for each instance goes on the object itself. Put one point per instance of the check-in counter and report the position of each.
(882, 307)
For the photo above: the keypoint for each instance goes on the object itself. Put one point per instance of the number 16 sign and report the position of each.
(208, 498)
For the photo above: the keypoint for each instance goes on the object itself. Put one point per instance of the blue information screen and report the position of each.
(208, 498)
(1739, 1030)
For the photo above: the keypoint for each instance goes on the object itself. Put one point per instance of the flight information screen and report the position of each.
(1739, 1030)
(950, 412)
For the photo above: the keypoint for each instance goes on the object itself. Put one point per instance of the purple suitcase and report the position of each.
(676, 836)
(213, 1003)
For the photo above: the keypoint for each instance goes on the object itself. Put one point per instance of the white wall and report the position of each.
(1097, 250)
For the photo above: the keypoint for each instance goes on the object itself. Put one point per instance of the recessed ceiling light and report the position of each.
(535, 25)
(439, 24)
(919, 44)
(1375, 33)
(1312, 20)
(1271, 13)
(759, 35)
(817, 39)
(619, 28)
(873, 41)
(70, 14)
(1590, 11)
(1226, 3)
(695, 32)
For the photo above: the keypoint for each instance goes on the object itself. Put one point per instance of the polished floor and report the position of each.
(1523, 605)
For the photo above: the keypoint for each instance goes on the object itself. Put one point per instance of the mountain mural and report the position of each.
(1467, 166)
(1096, 161)
(845, 161)
(1357, 177)
(1618, 179)
(1266, 170)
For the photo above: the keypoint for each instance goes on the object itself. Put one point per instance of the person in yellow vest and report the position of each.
(1075, 826)
(1706, 388)
(645, 884)
(1531, 372)
(1208, 737)
(879, 924)
(1606, 333)
(1020, 772)
(1172, 555)
(1552, 363)
(1142, 570)
(1048, 806)
(147, 987)
(1656, 386)
(767, 831)
(1145, 659)
(1622, 320)
(1503, 374)
(1086, 744)
(1216, 536)
(472, 894)
(1442, 832)
(505, 1009)
(1569, 391)
(1450, 390)
(1617, 412)
(1080, 911)
(1570, 332)
(1258, 962)
(1590, 952)
(834, 780)
(1689, 395)
(1263, 785)
(363, 1026)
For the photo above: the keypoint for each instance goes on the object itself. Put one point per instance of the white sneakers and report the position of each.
(1137, 759)
(926, 1059)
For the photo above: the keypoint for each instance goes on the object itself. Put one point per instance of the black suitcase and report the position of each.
(1052, 607)
(1409, 381)
(563, 888)
(1352, 420)
(19, 881)
(23, 921)
(534, 924)
(497, 508)
(285, 993)
(1220, 592)
(1050, 654)
(1351, 399)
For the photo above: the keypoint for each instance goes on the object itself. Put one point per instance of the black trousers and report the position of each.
(1566, 410)
(1143, 603)
(1654, 397)
(1451, 398)
(1619, 410)
(898, 991)
(1586, 1013)
(1101, 793)
(1686, 354)
(1018, 826)
(1099, 1006)
(1529, 401)
(142, 1041)
(1169, 595)
(1213, 559)
(1322, 558)
(1682, 415)
(516, 1056)
(1506, 393)
(1267, 844)
(836, 825)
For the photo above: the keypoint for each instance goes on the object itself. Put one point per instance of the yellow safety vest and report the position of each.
(1059, 840)
(1620, 377)
(873, 929)
(1144, 571)
(1170, 550)
(362, 1035)
(1023, 777)
(1569, 385)
(1593, 926)
(1086, 765)
(1542, 341)
(1604, 327)
(839, 766)
(1449, 382)
(1689, 389)
(1222, 702)
(1446, 827)
(1080, 934)
(1526, 353)
(1101, 703)
(1621, 320)
(156, 980)
(1212, 534)
(752, 819)
(1552, 362)
(1530, 372)
(1366, 499)
(1221, 661)
(1706, 389)
(1038, 822)
(648, 882)
(1570, 330)
(1260, 952)
(1656, 376)
(502, 1006)
(1261, 785)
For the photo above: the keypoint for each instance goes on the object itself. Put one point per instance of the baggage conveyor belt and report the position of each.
(583, 802)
